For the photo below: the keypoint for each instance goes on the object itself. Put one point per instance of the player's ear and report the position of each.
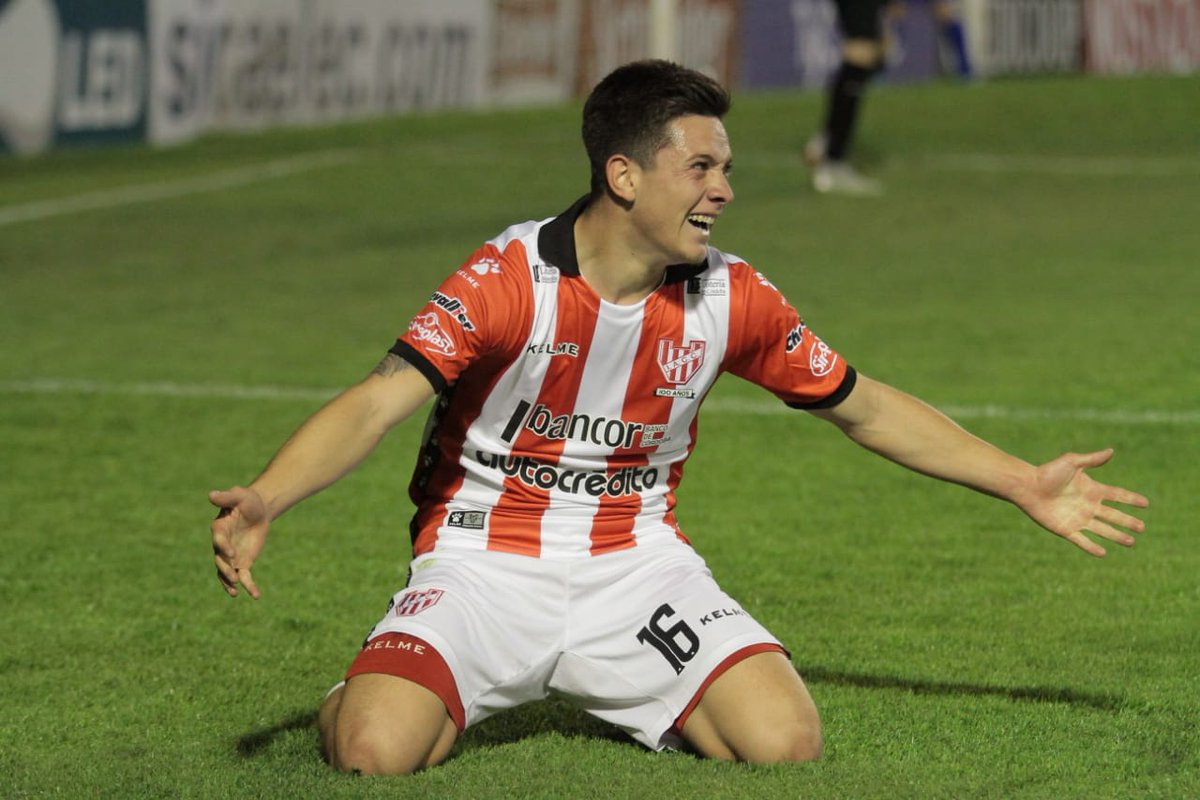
(622, 173)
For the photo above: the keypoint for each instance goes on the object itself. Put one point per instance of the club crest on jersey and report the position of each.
(678, 363)
(416, 601)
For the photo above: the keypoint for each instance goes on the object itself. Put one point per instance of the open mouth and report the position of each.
(702, 221)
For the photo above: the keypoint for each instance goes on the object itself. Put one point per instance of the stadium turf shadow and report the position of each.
(561, 718)
(533, 719)
(553, 716)
(1028, 694)
(253, 743)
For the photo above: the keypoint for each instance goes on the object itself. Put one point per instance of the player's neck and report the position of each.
(611, 266)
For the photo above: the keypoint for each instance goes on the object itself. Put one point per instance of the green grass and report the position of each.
(954, 649)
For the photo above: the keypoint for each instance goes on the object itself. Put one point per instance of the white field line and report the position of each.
(766, 406)
(166, 190)
(1066, 166)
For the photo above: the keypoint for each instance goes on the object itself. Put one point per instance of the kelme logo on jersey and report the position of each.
(679, 363)
(425, 329)
(485, 266)
(594, 483)
(553, 349)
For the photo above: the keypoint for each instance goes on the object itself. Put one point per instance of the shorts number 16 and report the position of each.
(678, 644)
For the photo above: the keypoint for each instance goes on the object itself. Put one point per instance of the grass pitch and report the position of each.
(168, 317)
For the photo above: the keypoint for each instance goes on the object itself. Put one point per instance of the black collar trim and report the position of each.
(556, 244)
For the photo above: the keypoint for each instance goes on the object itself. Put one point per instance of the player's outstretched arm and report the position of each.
(1059, 495)
(328, 445)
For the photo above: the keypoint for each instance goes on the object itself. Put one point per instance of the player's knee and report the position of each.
(365, 751)
(804, 744)
(789, 743)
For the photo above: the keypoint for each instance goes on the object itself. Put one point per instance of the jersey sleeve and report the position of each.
(476, 312)
(770, 345)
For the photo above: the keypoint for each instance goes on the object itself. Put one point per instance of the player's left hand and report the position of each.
(1066, 501)
(238, 535)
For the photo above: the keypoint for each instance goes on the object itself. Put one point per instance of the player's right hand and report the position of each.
(238, 535)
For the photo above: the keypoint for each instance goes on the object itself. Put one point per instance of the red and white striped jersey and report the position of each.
(564, 421)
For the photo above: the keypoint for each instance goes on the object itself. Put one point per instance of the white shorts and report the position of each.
(632, 637)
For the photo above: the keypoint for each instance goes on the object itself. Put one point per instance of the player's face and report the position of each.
(683, 192)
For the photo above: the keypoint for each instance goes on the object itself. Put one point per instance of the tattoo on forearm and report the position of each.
(390, 365)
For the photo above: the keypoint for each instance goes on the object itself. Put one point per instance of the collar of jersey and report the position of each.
(556, 244)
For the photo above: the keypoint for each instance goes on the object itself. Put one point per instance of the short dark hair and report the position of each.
(629, 110)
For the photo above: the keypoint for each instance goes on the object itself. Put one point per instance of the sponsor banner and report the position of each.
(1127, 36)
(701, 34)
(533, 51)
(609, 433)
(912, 42)
(29, 35)
(230, 64)
(74, 71)
(189, 41)
(796, 43)
(1009, 37)
(536, 474)
(793, 43)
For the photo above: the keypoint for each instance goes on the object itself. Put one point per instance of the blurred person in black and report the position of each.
(863, 51)
(827, 152)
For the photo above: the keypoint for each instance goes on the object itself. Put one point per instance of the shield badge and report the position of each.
(679, 363)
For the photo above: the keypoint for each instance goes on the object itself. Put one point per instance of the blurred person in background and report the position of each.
(955, 57)
(567, 359)
(861, 24)
(827, 152)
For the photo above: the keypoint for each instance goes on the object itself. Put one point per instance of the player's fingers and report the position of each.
(1116, 516)
(1089, 460)
(221, 543)
(224, 498)
(1112, 534)
(1085, 544)
(227, 575)
(1119, 495)
(247, 580)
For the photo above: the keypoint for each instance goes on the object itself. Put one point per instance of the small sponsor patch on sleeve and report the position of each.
(473, 520)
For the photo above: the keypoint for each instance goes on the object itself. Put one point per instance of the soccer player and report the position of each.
(568, 358)
(947, 15)
(827, 151)
(863, 51)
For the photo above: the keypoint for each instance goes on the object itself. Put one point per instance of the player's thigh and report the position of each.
(757, 710)
(383, 724)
